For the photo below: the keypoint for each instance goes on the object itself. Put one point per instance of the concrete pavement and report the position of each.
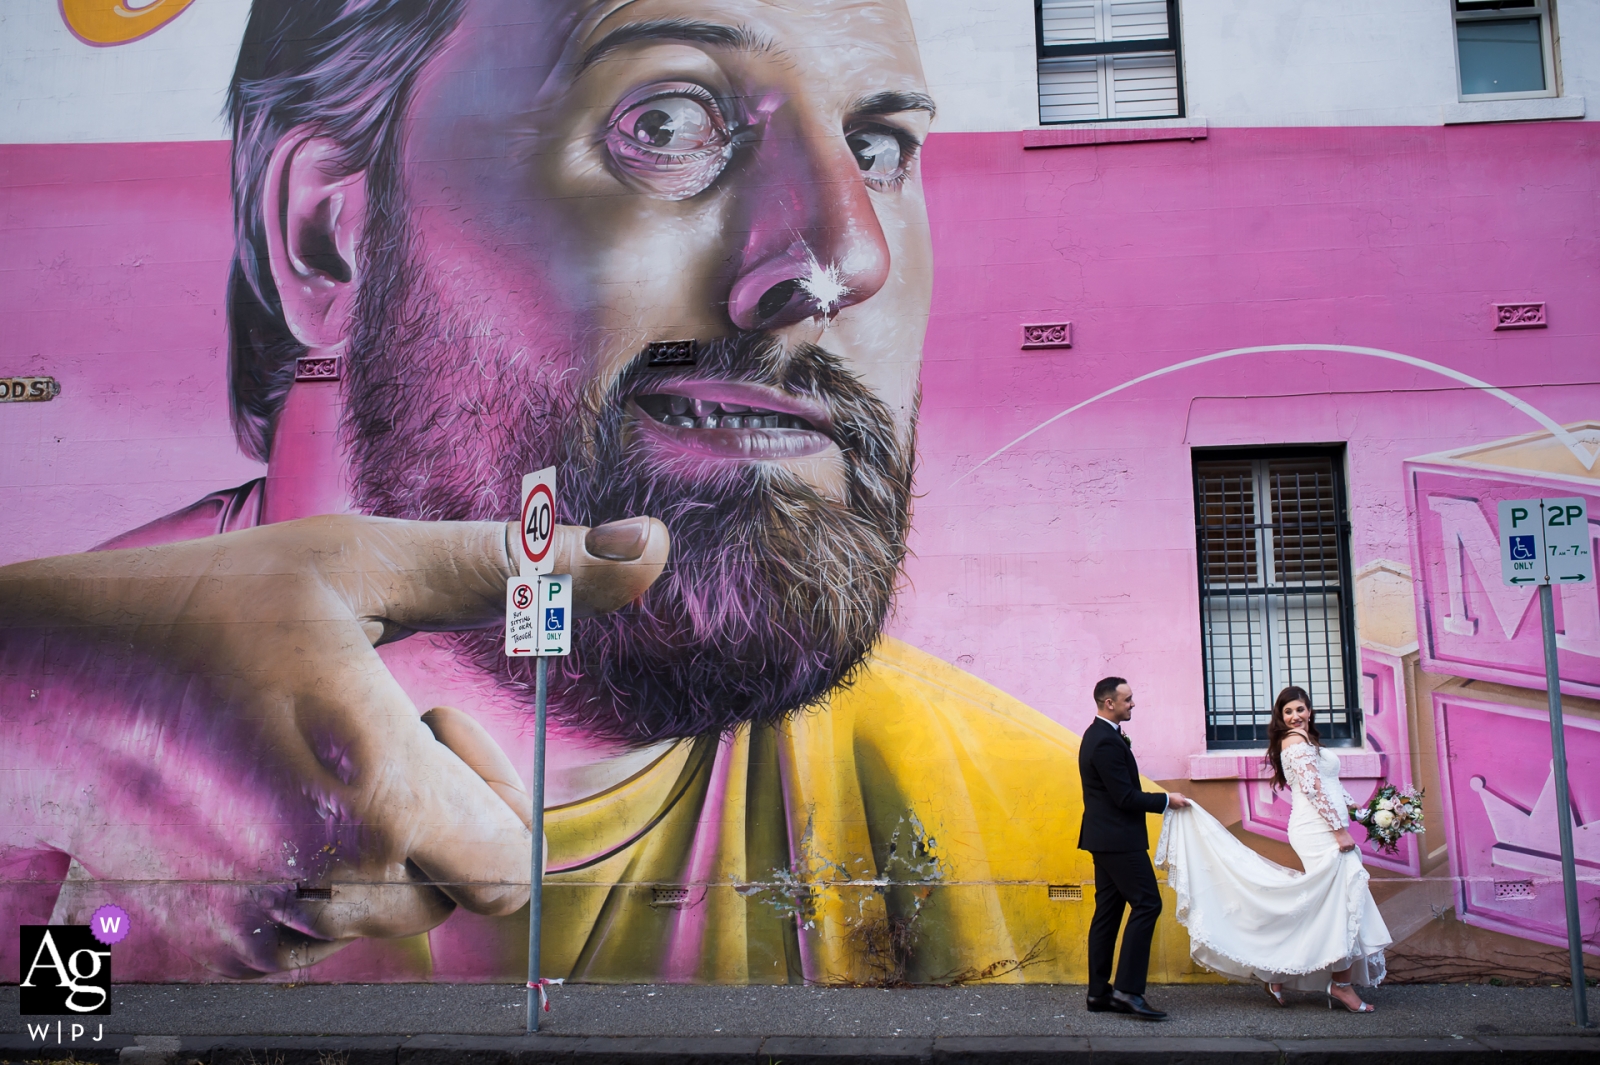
(275, 1024)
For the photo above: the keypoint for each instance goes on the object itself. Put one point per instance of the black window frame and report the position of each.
(1170, 43)
(1350, 733)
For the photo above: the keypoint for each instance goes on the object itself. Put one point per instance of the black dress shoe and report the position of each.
(1136, 1006)
(1102, 1004)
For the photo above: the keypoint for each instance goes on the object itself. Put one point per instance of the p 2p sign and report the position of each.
(538, 522)
(1545, 541)
(539, 616)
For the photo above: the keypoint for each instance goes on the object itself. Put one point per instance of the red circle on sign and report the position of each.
(522, 598)
(550, 536)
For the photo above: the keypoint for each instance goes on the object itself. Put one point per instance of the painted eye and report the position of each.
(878, 154)
(673, 142)
(670, 124)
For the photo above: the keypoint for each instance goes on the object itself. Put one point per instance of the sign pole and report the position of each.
(1558, 747)
(539, 624)
(1546, 542)
(536, 885)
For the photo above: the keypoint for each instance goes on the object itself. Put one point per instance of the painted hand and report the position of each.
(206, 728)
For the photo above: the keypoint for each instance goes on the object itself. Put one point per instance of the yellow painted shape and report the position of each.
(104, 22)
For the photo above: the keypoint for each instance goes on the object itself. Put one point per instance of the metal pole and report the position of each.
(536, 885)
(1558, 745)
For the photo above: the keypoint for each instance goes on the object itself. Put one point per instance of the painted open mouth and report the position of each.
(685, 413)
(729, 419)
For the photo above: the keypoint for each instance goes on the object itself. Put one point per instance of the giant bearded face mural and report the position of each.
(554, 191)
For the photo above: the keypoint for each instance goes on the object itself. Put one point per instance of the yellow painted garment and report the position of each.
(908, 830)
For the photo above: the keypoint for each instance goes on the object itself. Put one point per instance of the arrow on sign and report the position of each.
(521, 651)
(1521, 580)
(1576, 577)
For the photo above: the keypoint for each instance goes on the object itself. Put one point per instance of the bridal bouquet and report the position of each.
(1391, 813)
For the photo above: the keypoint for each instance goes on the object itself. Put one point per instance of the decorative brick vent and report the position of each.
(1519, 316)
(670, 353)
(669, 896)
(1513, 889)
(1066, 892)
(1051, 335)
(316, 368)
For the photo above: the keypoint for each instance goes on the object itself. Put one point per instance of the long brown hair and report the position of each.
(1277, 730)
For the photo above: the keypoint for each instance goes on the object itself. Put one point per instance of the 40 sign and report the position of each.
(538, 522)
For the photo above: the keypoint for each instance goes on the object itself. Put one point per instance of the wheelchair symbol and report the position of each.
(555, 618)
(1523, 549)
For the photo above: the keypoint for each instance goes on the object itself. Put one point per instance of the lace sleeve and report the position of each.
(1300, 770)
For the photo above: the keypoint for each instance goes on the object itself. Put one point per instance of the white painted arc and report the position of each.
(1581, 453)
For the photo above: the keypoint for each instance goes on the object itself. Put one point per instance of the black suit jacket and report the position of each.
(1114, 808)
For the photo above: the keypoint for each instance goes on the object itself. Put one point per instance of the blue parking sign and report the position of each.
(555, 618)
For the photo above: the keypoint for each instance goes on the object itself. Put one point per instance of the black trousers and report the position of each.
(1122, 880)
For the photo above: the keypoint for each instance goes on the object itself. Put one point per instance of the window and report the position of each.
(1104, 59)
(1504, 49)
(1274, 553)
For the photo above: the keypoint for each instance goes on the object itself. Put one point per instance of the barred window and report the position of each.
(1108, 59)
(1275, 604)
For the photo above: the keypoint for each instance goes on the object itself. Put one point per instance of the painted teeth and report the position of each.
(685, 413)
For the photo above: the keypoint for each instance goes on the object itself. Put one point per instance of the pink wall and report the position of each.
(113, 273)
(1072, 555)
(1069, 556)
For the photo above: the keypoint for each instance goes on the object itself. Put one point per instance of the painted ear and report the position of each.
(314, 218)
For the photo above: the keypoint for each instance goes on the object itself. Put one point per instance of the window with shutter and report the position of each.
(1108, 59)
(1273, 542)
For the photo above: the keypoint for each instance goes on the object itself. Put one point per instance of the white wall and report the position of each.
(1354, 62)
(1578, 22)
(1247, 62)
(169, 86)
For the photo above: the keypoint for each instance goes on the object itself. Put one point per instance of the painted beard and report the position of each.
(774, 593)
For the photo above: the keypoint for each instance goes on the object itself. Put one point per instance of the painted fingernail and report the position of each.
(619, 541)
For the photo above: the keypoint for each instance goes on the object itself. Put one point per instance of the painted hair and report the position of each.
(341, 69)
(1277, 729)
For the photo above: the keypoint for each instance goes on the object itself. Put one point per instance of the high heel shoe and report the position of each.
(1277, 996)
(1366, 1007)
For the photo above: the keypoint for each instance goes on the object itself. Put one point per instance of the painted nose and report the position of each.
(813, 244)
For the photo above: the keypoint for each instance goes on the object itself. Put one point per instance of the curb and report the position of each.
(807, 1050)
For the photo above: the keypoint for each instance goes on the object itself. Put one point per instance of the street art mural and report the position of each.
(875, 445)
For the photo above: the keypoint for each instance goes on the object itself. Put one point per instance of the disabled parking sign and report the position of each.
(1545, 541)
(539, 616)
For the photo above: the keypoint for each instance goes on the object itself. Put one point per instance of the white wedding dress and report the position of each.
(1251, 918)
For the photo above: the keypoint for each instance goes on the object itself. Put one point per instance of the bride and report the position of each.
(1249, 917)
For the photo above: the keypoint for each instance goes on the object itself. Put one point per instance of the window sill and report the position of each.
(1079, 134)
(1513, 110)
(1355, 763)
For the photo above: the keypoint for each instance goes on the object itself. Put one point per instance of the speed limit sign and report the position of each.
(538, 522)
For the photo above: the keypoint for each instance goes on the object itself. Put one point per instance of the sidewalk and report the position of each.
(418, 1024)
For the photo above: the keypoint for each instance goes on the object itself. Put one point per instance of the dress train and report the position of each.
(1252, 918)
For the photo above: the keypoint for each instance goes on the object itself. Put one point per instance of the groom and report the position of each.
(1114, 834)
